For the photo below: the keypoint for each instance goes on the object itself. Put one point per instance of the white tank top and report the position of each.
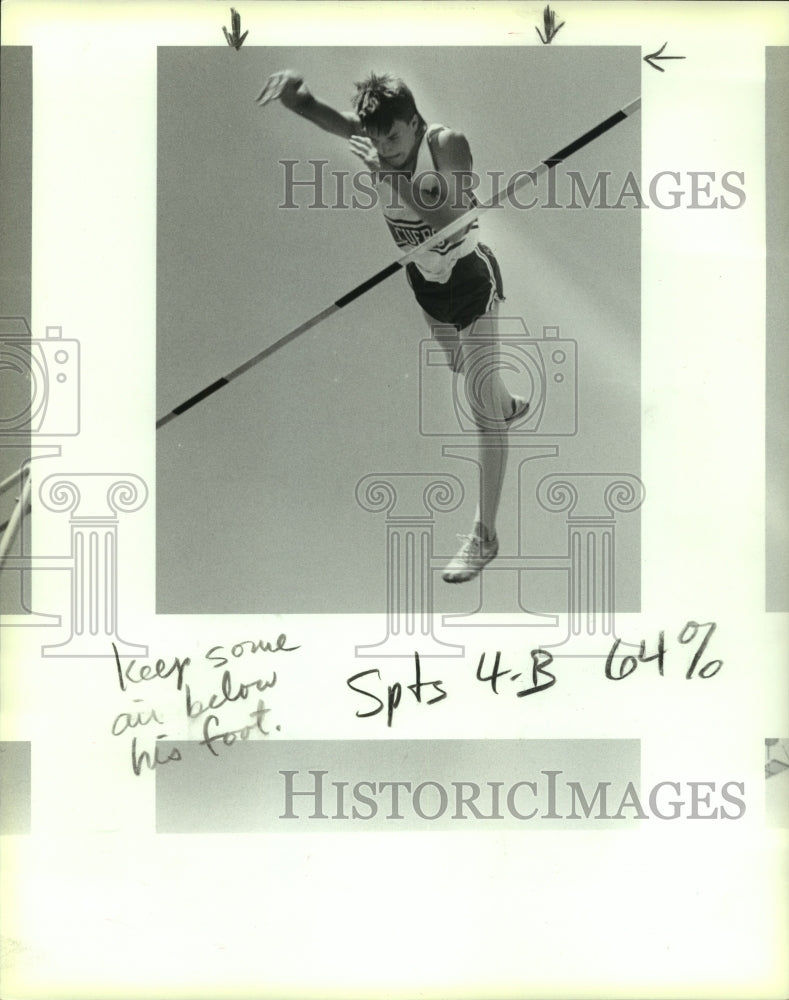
(409, 230)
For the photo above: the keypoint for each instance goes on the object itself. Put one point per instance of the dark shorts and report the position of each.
(473, 287)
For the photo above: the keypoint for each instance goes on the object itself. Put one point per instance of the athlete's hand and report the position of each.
(367, 153)
(286, 86)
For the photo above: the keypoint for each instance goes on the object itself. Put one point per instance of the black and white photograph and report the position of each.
(367, 399)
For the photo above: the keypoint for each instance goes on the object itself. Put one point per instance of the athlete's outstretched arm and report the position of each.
(288, 87)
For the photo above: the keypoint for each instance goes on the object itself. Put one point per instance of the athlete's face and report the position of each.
(396, 144)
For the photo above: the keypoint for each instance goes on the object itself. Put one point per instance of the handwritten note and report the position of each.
(208, 703)
(618, 664)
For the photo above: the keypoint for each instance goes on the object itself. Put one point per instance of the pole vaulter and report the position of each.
(460, 223)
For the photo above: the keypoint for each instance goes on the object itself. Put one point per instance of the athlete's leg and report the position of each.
(447, 338)
(492, 406)
(473, 355)
(490, 403)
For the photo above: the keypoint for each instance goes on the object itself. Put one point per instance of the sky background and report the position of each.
(15, 252)
(256, 506)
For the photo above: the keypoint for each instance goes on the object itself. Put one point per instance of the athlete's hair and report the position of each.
(381, 99)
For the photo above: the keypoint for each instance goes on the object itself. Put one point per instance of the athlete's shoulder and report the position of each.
(444, 137)
(450, 146)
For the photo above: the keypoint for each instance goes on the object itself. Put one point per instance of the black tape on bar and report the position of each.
(199, 396)
(370, 283)
(579, 143)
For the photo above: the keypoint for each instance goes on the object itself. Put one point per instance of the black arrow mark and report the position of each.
(549, 20)
(657, 55)
(235, 38)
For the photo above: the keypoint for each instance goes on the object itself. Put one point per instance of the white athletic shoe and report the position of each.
(473, 555)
